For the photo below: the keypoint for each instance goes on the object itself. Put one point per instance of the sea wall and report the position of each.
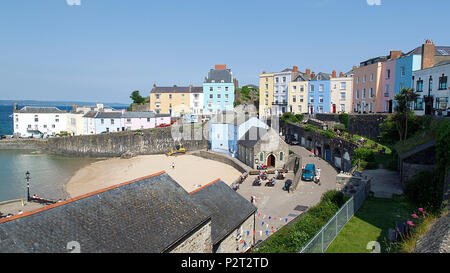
(150, 141)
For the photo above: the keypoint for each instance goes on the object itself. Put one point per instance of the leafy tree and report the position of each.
(136, 97)
(404, 100)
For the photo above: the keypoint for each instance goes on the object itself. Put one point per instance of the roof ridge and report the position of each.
(58, 204)
(207, 185)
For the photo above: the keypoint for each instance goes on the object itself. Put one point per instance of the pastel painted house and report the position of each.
(319, 95)
(227, 128)
(388, 77)
(218, 90)
(138, 120)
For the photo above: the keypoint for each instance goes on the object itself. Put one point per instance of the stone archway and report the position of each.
(271, 161)
(327, 153)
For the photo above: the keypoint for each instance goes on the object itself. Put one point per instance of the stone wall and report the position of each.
(198, 241)
(409, 171)
(150, 141)
(366, 125)
(231, 243)
(224, 159)
(140, 107)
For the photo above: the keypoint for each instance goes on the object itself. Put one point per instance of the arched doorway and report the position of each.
(271, 161)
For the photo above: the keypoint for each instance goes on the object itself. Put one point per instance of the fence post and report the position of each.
(322, 239)
(336, 225)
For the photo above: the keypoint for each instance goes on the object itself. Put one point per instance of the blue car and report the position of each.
(309, 172)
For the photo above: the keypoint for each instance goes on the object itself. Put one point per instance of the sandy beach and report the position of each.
(189, 171)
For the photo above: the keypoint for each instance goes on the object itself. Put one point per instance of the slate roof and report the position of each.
(302, 77)
(252, 136)
(321, 77)
(40, 110)
(228, 208)
(108, 115)
(439, 51)
(149, 214)
(177, 89)
(218, 75)
(138, 114)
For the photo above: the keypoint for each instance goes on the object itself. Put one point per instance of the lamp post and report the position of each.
(27, 177)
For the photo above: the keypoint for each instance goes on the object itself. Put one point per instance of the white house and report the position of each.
(431, 85)
(33, 121)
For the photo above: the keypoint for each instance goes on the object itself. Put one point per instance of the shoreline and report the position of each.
(190, 171)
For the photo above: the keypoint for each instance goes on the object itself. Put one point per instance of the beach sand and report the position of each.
(189, 171)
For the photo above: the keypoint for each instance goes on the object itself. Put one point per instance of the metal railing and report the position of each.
(323, 239)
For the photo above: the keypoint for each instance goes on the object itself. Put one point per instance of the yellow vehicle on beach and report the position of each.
(177, 150)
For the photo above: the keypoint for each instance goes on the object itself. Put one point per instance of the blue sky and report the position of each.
(102, 50)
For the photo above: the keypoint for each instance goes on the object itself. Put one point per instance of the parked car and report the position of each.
(309, 172)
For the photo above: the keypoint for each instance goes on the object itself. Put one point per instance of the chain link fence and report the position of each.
(322, 240)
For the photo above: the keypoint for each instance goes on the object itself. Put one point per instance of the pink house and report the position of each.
(386, 98)
(143, 120)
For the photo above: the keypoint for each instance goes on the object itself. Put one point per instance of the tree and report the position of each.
(136, 97)
(404, 100)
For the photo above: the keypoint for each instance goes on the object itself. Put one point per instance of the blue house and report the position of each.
(404, 67)
(218, 90)
(227, 128)
(319, 95)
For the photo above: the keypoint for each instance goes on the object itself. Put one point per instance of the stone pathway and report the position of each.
(278, 204)
(384, 183)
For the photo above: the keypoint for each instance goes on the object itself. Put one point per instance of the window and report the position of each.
(386, 106)
(170, 105)
(312, 88)
(364, 78)
(276, 80)
(357, 80)
(302, 88)
(219, 89)
(370, 107)
(36, 119)
(210, 96)
(386, 92)
(443, 82)
(357, 93)
(29, 126)
(218, 96)
(300, 108)
(343, 95)
(403, 71)
(284, 79)
(371, 77)
(182, 95)
(112, 121)
(321, 99)
(267, 79)
(321, 86)
(53, 126)
(267, 86)
(170, 96)
(371, 92)
(419, 104)
(311, 99)
(261, 157)
(320, 109)
(45, 126)
(148, 119)
(343, 85)
(419, 85)
(342, 107)
(295, 88)
(441, 103)
(226, 96)
(388, 74)
(226, 88)
(211, 89)
(430, 84)
(281, 156)
(364, 93)
(301, 98)
(102, 121)
(157, 96)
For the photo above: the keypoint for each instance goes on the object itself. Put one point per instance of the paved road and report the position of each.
(277, 204)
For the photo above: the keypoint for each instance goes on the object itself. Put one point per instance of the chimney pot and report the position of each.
(154, 85)
(333, 74)
(295, 68)
(220, 66)
(308, 71)
(341, 75)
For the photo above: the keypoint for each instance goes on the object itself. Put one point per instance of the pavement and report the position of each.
(277, 207)
(384, 183)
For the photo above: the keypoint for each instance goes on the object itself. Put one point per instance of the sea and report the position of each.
(49, 173)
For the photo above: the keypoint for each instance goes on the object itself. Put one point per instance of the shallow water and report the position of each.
(49, 173)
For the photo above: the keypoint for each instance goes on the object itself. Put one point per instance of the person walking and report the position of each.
(173, 165)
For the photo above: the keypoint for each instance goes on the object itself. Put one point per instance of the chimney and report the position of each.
(307, 72)
(313, 74)
(154, 85)
(74, 108)
(15, 107)
(395, 54)
(341, 75)
(220, 66)
(295, 68)
(333, 74)
(264, 72)
(428, 52)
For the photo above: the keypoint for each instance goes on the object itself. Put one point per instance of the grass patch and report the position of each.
(371, 223)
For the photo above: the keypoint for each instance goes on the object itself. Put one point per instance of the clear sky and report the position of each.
(102, 50)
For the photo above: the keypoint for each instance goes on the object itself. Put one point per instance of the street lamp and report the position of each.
(27, 177)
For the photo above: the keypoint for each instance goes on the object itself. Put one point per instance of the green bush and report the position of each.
(424, 190)
(309, 127)
(335, 197)
(339, 126)
(364, 154)
(328, 133)
(344, 118)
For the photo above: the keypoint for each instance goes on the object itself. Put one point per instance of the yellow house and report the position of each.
(172, 100)
(265, 93)
(298, 94)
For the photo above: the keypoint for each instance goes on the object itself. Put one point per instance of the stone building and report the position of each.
(233, 217)
(263, 146)
(152, 214)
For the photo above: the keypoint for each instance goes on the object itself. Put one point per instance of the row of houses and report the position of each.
(216, 95)
(367, 88)
(37, 122)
